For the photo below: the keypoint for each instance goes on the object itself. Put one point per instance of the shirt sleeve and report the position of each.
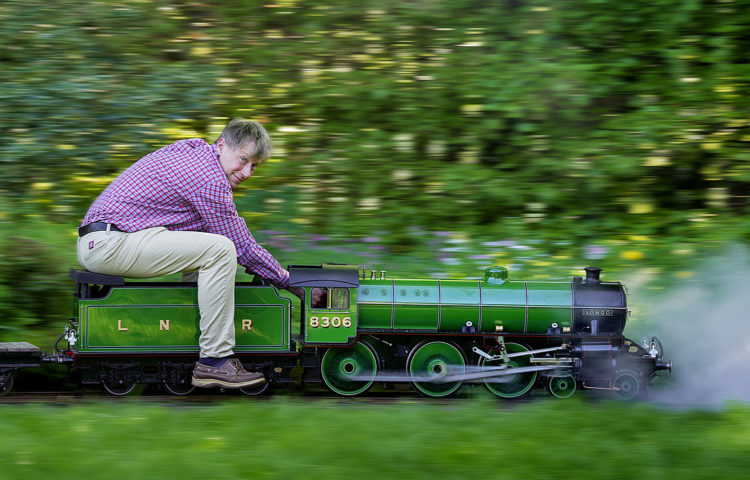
(215, 205)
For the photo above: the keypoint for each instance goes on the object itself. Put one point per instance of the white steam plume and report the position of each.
(704, 324)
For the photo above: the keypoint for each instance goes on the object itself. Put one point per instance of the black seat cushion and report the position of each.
(91, 278)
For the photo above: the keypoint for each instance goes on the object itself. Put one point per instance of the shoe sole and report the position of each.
(214, 382)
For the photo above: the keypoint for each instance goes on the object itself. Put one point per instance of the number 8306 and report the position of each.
(330, 322)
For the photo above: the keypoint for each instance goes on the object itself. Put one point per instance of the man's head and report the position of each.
(241, 147)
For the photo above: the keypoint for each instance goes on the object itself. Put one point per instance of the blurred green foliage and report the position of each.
(31, 292)
(575, 123)
(332, 440)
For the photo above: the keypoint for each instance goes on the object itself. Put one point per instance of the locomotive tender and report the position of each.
(351, 331)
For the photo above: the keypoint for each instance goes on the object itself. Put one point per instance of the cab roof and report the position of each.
(325, 275)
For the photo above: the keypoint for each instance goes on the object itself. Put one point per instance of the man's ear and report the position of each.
(221, 145)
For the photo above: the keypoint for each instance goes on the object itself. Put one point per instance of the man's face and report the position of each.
(236, 163)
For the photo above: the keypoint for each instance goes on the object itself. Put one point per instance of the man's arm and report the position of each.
(216, 206)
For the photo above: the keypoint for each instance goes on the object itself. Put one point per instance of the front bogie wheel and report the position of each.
(561, 386)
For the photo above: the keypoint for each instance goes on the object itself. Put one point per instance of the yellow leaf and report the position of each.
(201, 51)
(711, 146)
(471, 109)
(641, 208)
(723, 89)
(656, 161)
(632, 255)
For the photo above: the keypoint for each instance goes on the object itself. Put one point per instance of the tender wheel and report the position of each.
(627, 385)
(6, 383)
(349, 371)
(563, 386)
(118, 388)
(510, 386)
(179, 388)
(258, 390)
(431, 363)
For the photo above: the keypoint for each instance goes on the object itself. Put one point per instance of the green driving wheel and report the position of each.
(513, 385)
(563, 386)
(349, 371)
(430, 363)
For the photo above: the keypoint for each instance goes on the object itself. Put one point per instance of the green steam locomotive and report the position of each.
(351, 330)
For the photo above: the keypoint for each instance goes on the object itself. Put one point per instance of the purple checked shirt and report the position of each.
(183, 187)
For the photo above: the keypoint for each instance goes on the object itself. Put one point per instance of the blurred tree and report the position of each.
(570, 119)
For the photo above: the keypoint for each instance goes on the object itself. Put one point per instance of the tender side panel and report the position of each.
(166, 318)
(262, 320)
(143, 326)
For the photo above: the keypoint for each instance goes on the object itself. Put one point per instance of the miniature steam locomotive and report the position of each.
(351, 331)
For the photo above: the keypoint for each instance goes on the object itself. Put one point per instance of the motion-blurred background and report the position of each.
(421, 137)
(430, 137)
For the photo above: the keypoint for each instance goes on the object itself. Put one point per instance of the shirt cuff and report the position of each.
(283, 281)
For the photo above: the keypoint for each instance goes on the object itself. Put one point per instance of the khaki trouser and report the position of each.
(157, 251)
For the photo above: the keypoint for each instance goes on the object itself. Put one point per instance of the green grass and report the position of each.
(285, 438)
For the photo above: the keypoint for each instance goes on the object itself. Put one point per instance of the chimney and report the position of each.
(592, 275)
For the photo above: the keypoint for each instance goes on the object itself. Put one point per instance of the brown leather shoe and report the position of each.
(229, 375)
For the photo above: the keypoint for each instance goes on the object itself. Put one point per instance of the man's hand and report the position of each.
(300, 292)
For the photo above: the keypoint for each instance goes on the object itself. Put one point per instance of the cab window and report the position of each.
(333, 298)
(340, 298)
(319, 297)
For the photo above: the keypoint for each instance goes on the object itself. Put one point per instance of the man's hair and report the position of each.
(239, 131)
